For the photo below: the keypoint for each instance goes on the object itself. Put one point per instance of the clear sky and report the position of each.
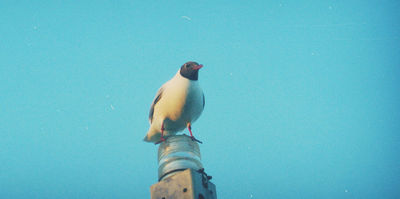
(302, 97)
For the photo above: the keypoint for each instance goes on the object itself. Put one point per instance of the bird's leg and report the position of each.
(191, 134)
(162, 134)
(190, 129)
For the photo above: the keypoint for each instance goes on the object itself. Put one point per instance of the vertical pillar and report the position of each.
(180, 172)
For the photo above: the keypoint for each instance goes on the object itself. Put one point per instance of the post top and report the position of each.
(177, 153)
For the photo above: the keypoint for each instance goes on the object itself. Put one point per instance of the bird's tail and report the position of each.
(152, 136)
(146, 138)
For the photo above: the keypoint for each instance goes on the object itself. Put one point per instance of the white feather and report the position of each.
(181, 103)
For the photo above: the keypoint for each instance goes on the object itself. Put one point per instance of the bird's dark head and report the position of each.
(190, 70)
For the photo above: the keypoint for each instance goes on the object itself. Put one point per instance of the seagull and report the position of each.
(178, 103)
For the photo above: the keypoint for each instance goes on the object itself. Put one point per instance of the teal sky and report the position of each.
(302, 97)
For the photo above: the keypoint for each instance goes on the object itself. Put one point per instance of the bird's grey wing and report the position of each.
(156, 99)
(204, 101)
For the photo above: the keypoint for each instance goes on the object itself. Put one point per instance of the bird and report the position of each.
(177, 105)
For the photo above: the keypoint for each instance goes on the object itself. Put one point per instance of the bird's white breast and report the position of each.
(182, 102)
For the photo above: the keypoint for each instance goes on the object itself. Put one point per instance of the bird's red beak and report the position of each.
(198, 67)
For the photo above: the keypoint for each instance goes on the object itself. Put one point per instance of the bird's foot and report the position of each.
(161, 140)
(194, 139)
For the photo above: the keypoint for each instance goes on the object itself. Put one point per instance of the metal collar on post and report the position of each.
(177, 153)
